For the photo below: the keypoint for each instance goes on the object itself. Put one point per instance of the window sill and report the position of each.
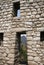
(18, 18)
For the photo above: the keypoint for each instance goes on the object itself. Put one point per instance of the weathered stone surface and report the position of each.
(30, 1)
(37, 59)
(31, 21)
(32, 63)
(30, 58)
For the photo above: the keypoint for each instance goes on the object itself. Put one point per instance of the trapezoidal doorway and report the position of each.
(22, 48)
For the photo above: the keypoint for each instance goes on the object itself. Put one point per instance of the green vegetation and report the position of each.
(23, 53)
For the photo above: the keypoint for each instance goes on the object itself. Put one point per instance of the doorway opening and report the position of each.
(22, 47)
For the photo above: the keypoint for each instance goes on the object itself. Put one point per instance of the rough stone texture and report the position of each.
(31, 21)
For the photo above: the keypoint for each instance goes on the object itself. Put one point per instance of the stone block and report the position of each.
(30, 1)
(37, 59)
(32, 63)
(30, 58)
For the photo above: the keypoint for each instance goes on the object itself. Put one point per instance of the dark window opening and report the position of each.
(0, 8)
(1, 38)
(16, 9)
(42, 36)
(22, 47)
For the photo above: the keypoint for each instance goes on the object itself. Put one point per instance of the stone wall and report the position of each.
(31, 21)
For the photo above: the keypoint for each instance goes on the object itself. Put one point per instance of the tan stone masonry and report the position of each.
(31, 21)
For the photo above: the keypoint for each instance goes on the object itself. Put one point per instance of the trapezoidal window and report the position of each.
(1, 38)
(16, 9)
(22, 47)
(42, 36)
